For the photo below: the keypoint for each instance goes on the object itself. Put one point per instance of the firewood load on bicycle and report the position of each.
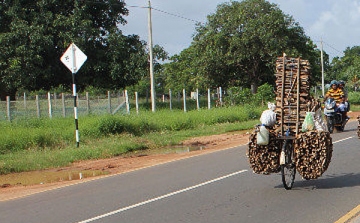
(298, 121)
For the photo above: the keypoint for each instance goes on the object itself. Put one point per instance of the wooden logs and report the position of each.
(264, 159)
(313, 151)
(293, 97)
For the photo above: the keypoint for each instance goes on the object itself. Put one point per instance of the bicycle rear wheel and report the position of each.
(288, 170)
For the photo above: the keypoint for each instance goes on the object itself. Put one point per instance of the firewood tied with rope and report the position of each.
(312, 149)
(313, 152)
(296, 74)
(264, 159)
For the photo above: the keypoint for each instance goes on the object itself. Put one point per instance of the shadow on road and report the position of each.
(330, 182)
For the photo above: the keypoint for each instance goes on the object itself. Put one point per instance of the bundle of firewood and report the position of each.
(313, 151)
(264, 159)
(295, 74)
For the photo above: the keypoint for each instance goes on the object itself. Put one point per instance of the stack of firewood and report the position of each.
(288, 70)
(264, 159)
(313, 151)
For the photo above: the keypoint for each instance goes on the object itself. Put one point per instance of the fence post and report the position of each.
(63, 104)
(37, 106)
(136, 103)
(197, 99)
(49, 105)
(25, 105)
(170, 98)
(184, 98)
(209, 99)
(127, 102)
(8, 111)
(220, 93)
(87, 103)
(109, 102)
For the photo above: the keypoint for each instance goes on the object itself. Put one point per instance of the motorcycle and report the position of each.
(334, 118)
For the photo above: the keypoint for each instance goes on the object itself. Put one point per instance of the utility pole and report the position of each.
(152, 91)
(322, 70)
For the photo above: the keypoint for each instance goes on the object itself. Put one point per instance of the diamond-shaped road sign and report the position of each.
(73, 58)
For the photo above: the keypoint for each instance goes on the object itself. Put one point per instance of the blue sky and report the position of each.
(336, 22)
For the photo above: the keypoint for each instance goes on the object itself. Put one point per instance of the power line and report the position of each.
(179, 16)
(330, 46)
(162, 11)
(333, 48)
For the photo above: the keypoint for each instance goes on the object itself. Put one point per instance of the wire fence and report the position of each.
(62, 105)
(59, 105)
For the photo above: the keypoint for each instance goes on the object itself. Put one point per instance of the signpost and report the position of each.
(74, 58)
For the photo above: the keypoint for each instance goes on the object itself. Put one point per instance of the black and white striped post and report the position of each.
(73, 58)
(73, 71)
(75, 113)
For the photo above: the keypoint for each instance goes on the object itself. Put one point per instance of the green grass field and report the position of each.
(37, 144)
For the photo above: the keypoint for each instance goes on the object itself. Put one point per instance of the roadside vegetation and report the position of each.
(38, 144)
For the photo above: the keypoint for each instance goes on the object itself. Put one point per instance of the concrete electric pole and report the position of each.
(152, 90)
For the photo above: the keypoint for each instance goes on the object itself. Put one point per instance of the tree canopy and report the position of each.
(34, 34)
(346, 68)
(238, 46)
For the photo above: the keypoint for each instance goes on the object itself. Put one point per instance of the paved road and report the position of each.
(216, 187)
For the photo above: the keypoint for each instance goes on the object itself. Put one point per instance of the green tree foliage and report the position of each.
(239, 44)
(34, 34)
(243, 96)
(183, 72)
(346, 68)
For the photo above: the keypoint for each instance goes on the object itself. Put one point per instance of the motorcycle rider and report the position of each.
(345, 99)
(338, 95)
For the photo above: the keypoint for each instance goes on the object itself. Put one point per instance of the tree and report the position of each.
(240, 42)
(183, 73)
(36, 33)
(347, 68)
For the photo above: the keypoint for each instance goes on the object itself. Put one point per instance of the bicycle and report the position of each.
(287, 164)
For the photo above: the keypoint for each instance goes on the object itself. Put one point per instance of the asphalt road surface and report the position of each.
(211, 188)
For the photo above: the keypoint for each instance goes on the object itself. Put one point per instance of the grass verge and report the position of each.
(41, 144)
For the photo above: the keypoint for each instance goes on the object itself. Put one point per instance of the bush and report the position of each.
(264, 94)
(354, 98)
(238, 96)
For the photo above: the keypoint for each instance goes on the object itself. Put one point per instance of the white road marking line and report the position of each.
(161, 197)
(343, 139)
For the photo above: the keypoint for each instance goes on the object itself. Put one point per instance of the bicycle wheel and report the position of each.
(288, 169)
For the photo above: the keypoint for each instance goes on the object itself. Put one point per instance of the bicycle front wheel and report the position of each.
(288, 170)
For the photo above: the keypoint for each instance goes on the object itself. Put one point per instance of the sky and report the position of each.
(336, 23)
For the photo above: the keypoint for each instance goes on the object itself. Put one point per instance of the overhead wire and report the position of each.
(175, 15)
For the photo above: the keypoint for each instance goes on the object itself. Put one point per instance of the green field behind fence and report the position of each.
(34, 144)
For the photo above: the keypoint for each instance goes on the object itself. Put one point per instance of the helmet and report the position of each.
(342, 82)
(333, 82)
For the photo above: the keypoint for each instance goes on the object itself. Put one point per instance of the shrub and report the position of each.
(354, 98)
